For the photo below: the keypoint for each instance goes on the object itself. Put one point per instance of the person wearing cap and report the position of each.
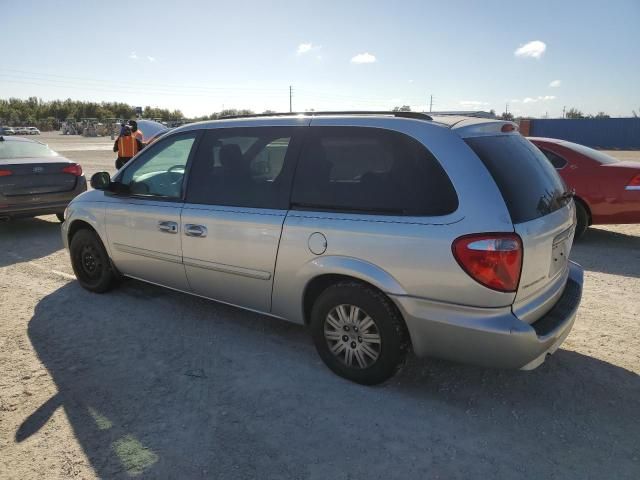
(127, 147)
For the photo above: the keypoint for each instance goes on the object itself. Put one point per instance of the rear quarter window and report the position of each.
(371, 171)
(528, 182)
(556, 160)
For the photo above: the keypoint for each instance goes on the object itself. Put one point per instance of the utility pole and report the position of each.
(290, 99)
(506, 108)
(430, 103)
(563, 109)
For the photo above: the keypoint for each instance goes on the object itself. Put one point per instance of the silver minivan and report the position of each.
(383, 232)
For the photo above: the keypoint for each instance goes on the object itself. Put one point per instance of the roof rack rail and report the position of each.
(412, 115)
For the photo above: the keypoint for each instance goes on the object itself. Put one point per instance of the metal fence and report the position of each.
(609, 133)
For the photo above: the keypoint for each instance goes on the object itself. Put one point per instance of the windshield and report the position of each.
(9, 149)
(596, 155)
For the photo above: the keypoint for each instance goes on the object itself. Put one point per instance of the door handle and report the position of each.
(168, 227)
(192, 230)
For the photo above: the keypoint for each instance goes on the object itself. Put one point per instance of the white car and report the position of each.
(33, 131)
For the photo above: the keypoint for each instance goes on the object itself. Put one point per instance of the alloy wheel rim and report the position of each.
(352, 336)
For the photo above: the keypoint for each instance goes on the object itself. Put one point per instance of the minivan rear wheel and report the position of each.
(90, 262)
(358, 333)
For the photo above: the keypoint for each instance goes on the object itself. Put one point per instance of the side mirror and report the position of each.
(101, 181)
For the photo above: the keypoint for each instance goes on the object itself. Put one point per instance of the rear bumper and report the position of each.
(492, 337)
(42, 204)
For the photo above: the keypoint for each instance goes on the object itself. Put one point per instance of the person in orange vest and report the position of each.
(134, 130)
(127, 147)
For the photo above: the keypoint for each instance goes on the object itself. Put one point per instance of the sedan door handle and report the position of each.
(192, 230)
(168, 227)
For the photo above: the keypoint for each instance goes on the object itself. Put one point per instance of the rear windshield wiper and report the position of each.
(568, 194)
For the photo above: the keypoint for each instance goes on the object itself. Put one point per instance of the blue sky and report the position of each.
(199, 56)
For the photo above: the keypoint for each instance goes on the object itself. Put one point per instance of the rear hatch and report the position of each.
(541, 211)
(31, 176)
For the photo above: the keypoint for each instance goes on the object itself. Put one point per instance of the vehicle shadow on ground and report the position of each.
(622, 252)
(26, 239)
(162, 385)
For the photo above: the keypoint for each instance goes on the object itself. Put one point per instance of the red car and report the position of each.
(607, 190)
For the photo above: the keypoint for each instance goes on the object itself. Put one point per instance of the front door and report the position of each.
(237, 200)
(143, 226)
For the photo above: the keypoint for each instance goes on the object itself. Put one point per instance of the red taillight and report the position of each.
(73, 169)
(492, 259)
(5, 173)
(634, 183)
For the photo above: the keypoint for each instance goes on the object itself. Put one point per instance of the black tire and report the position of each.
(60, 216)
(582, 217)
(90, 262)
(388, 323)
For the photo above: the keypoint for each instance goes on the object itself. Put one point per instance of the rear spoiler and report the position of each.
(480, 128)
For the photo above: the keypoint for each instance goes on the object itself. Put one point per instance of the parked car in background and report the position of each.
(380, 231)
(35, 180)
(607, 190)
(33, 131)
(7, 131)
(21, 131)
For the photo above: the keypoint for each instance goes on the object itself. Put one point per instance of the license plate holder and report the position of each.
(559, 256)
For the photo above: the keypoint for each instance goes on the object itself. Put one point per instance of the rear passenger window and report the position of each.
(370, 170)
(556, 160)
(243, 167)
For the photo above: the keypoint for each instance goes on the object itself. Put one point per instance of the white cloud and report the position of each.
(151, 59)
(473, 103)
(307, 47)
(411, 81)
(533, 49)
(555, 83)
(514, 100)
(133, 56)
(364, 58)
(539, 98)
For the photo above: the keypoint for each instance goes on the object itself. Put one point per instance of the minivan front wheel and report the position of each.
(358, 333)
(90, 262)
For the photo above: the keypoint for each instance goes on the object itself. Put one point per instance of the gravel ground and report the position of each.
(144, 382)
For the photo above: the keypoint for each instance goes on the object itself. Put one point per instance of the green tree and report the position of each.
(574, 113)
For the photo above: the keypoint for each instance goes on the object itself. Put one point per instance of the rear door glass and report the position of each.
(370, 170)
(529, 184)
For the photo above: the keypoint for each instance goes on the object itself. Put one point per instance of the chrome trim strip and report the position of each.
(221, 267)
(167, 257)
(632, 187)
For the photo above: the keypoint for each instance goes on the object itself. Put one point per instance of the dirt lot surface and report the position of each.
(156, 384)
